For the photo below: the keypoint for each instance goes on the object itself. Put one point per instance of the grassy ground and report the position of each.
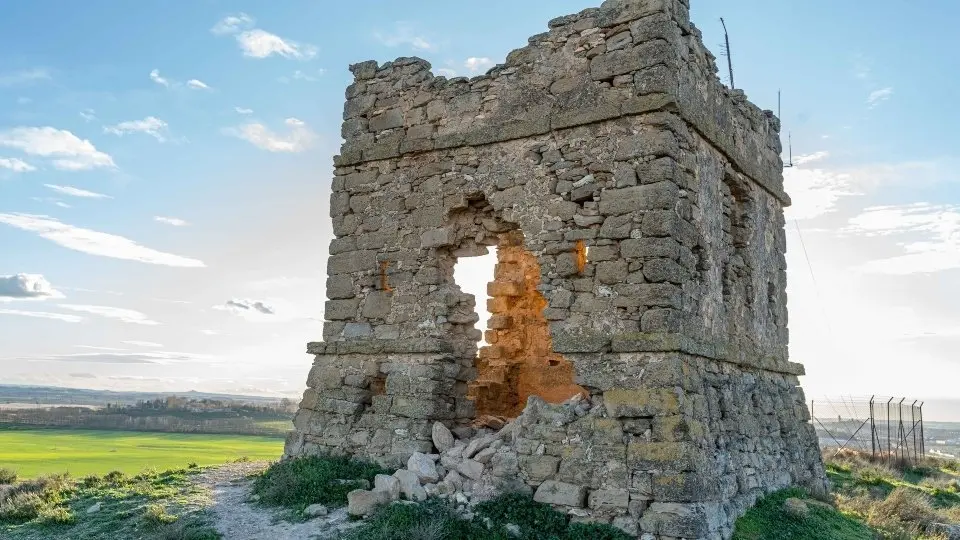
(870, 500)
(149, 506)
(34, 452)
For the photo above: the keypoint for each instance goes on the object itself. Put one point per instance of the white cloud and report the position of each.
(27, 287)
(246, 306)
(76, 192)
(299, 75)
(176, 222)
(258, 43)
(298, 138)
(815, 192)
(233, 24)
(879, 96)
(70, 152)
(810, 158)
(88, 114)
(120, 314)
(94, 242)
(42, 315)
(26, 76)
(145, 357)
(404, 34)
(16, 165)
(241, 110)
(150, 125)
(197, 84)
(477, 65)
(144, 344)
(62, 204)
(935, 233)
(155, 77)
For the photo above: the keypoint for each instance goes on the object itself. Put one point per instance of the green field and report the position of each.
(34, 452)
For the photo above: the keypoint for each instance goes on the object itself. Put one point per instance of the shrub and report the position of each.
(537, 521)
(431, 520)
(24, 501)
(58, 514)
(7, 476)
(156, 514)
(299, 482)
(904, 513)
(595, 531)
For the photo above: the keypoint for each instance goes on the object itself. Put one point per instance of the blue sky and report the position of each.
(200, 135)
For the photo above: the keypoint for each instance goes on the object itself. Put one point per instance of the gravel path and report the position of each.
(236, 518)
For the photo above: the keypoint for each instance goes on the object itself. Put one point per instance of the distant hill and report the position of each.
(53, 395)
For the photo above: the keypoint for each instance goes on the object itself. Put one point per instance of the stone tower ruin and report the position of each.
(636, 208)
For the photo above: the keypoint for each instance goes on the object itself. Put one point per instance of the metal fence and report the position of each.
(888, 428)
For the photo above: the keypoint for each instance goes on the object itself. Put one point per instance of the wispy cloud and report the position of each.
(862, 66)
(477, 65)
(258, 43)
(193, 84)
(404, 33)
(197, 84)
(146, 357)
(25, 76)
(879, 96)
(94, 242)
(16, 165)
(242, 110)
(150, 125)
(42, 315)
(27, 287)
(246, 306)
(88, 115)
(232, 24)
(930, 232)
(298, 138)
(76, 192)
(123, 315)
(299, 75)
(155, 77)
(176, 222)
(144, 344)
(69, 152)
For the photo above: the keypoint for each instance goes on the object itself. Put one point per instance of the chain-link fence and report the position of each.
(888, 428)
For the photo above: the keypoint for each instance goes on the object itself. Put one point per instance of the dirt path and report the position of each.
(236, 518)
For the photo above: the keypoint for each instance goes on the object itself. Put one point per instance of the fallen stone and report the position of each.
(454, 479)
(387, 484)
(315, 510)
(424, 467)
(513, 531)
(484, 455)
(552, 492)
(442, 437)
(361, 502)
(410, 485)
(95, 508)
(471, 469)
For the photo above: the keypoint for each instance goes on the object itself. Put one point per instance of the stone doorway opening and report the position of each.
(515, 358)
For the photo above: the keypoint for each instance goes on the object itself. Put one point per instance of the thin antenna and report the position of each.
(789, 136)
(727, 53)
(789, 149)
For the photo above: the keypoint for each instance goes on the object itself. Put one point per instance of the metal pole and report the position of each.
(888, 428)
(873, 432)
(923, 442)
(913, 428)
(900, 434)
(726, 37)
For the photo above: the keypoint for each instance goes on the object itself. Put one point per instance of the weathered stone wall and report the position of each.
(608, 155)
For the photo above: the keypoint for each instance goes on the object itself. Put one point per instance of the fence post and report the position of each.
(923, 447)
(873, 432)
(888, 428)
